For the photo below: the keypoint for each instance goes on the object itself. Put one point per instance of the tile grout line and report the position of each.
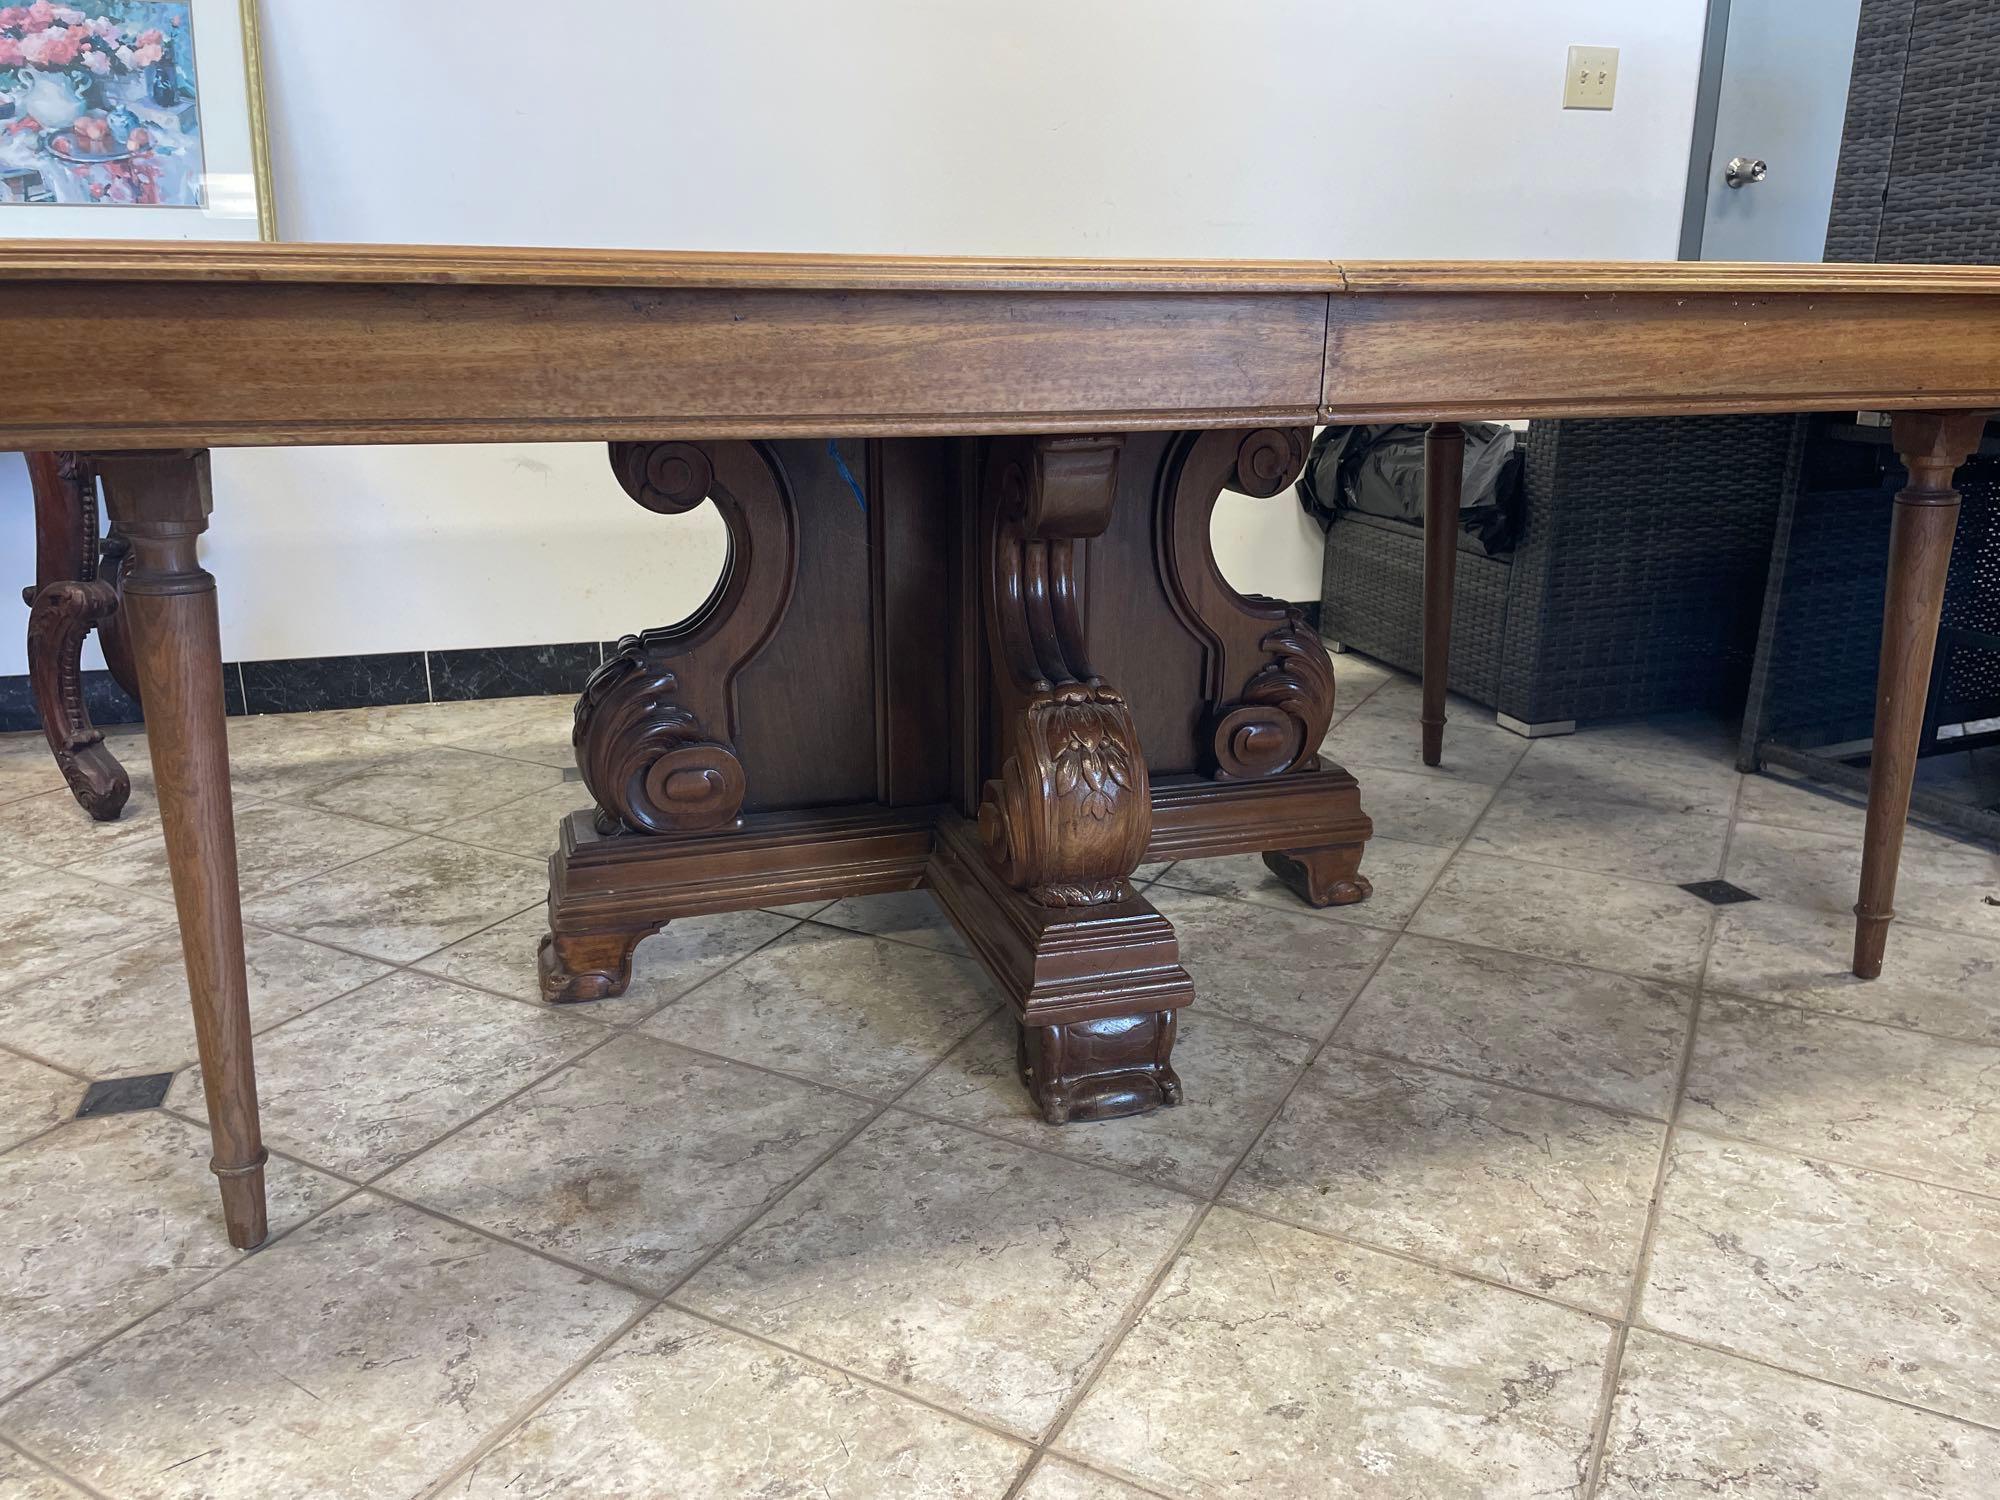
(355, 1185)
(498, 1436)
(1642, 1260)
(1102, 1361)
(236, 1258)
(1445, 1269)
(883, 1107)
(7, 1444)
(1845, 1163)
(1607, 1405)
(1685, 985)
(1811, 1378)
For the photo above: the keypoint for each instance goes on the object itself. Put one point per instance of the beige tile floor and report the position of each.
(1534, 1175)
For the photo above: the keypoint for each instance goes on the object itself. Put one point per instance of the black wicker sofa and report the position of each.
(1636, 585)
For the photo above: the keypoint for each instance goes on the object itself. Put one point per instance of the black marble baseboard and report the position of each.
(304, 684)
(512, 671)
(106, 702)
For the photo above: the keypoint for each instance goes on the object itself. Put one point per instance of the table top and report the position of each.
(140, 345)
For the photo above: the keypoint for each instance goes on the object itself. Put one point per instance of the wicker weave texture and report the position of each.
(1635, 589)
(1874, 95)
(1919, 181)
(1373, 595)
(1828, 635)
(1943, 199)
(1638, 587)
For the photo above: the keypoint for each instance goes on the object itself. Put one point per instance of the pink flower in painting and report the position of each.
(152, 38)
(145, 57)
(40, 16)
(54, 48)
(94, 60)
(124, 55)
(69, 16)
(105, 27)
(59, 46)
(14, 15)
(11, 55)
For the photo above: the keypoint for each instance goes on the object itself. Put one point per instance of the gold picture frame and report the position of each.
(260, 140)
(134, 119)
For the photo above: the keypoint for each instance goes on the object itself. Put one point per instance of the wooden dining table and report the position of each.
(971, 636)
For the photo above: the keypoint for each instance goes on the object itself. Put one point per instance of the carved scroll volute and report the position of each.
(1068, 817)
(1269, 680)
(655, 727)
(68, 600)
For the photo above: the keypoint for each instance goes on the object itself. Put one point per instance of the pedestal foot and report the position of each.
(588, 966)
(1099, 1070)
(1042, 893)
(1327, 876)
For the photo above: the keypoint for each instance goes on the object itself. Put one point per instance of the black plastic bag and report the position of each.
(1379, 471)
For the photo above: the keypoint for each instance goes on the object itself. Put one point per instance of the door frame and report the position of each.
(1701, 147)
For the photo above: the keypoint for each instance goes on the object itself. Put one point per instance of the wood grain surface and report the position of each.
(148, 345)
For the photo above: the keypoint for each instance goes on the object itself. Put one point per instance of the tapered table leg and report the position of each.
(1933, 445)
(161, 502)
(1444, 479)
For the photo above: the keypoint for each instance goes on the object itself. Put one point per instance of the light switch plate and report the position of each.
(1592, 78)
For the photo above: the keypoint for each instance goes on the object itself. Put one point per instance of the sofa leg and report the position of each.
(1547, 729)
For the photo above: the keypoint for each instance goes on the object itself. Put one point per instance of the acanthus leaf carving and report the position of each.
(1067, 819)
(646, 759)
(1059, 822)
(1278, 722)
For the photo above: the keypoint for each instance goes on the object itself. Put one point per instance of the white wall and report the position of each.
(1311, 128)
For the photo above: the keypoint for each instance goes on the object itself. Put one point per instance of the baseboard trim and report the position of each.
(306, 684)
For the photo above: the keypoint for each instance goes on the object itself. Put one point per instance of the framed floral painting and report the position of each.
(132, 119)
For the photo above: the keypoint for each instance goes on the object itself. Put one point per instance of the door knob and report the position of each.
(1744, 170)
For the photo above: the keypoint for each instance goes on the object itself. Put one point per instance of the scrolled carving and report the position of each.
(1058, 823)
(1268, 679)
(69, 600)
(646, 758)
(1068, 817)
(61, 615)
(668, 478)
(655, 727)
(1269, 460)
(1285, 709)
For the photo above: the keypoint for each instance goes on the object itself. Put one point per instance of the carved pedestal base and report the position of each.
(947, 726)
(1099, 1070)
(1327, 876)
(588, 966)
(1094, 989)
